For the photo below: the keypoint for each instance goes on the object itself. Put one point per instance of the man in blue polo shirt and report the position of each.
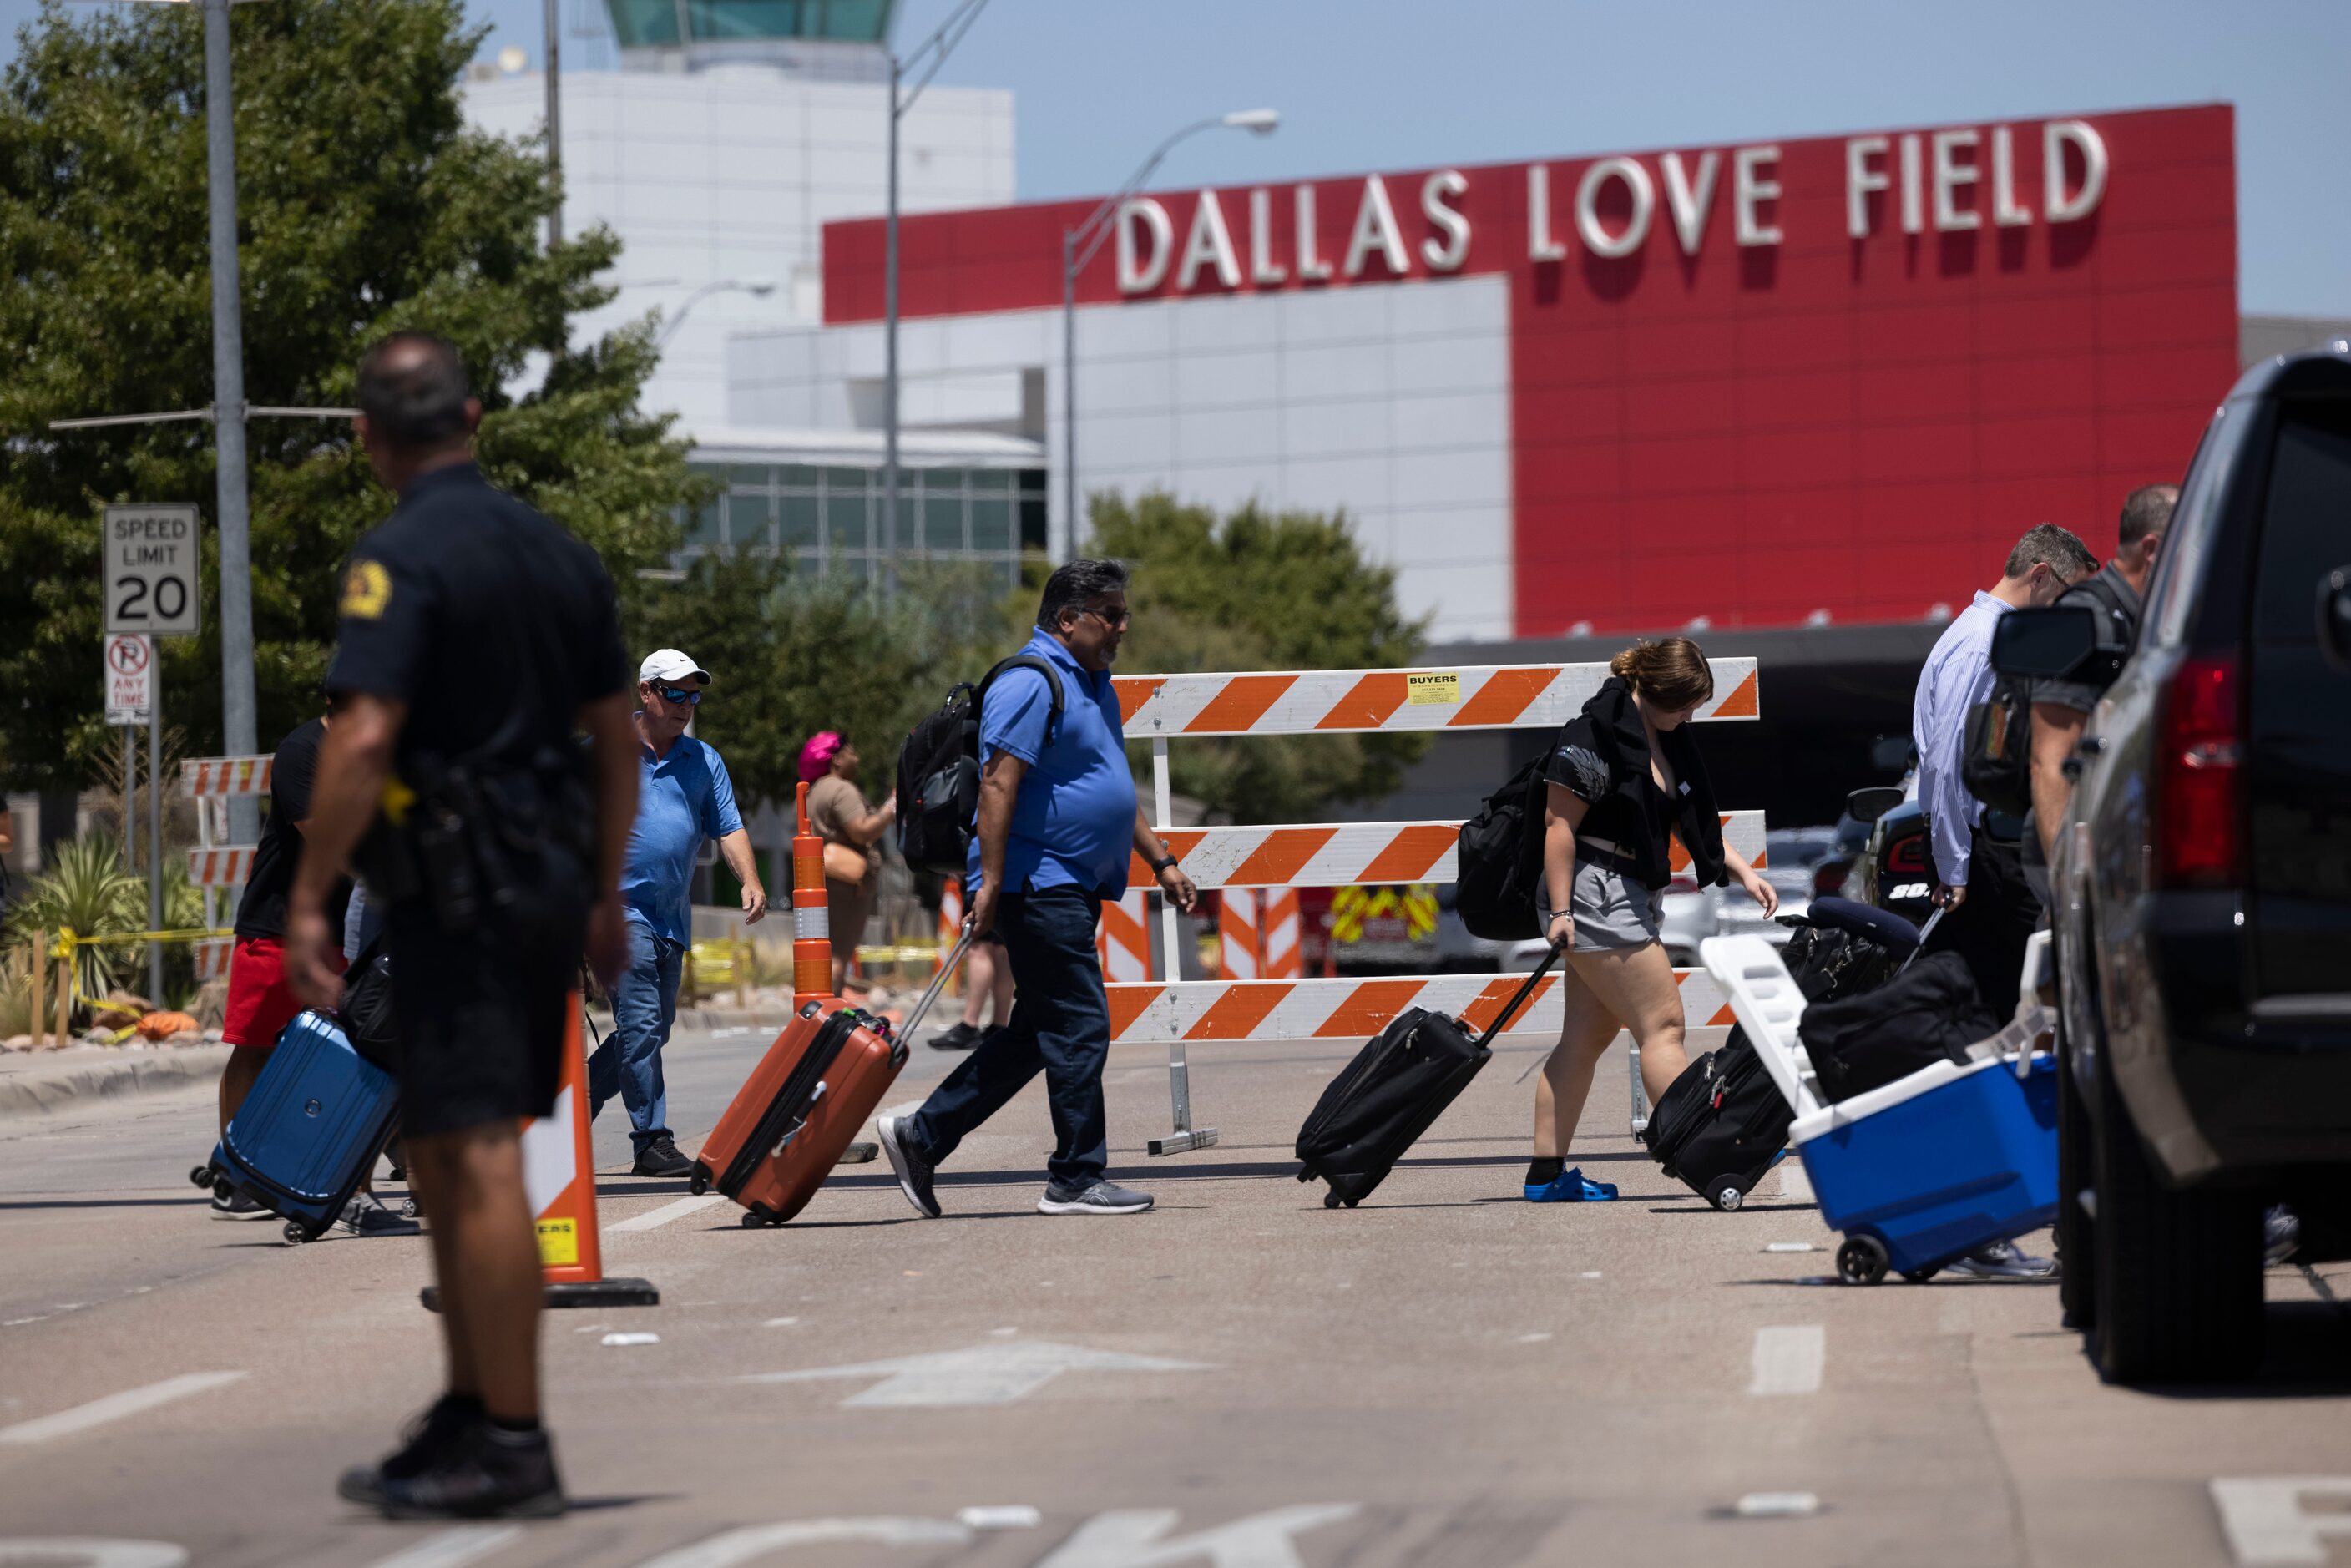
(683, 798)
(1057, 818)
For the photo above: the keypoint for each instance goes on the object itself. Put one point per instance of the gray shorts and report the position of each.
(1612, 912)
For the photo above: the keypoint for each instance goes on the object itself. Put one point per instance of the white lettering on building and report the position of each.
(1691, 203)
(1435, 191)
(1540, 246)
(2005, 213)
(1210, 244)
(1375, 229)
(1263, 269)
(2055, 137)
(1750, 189)
(1311, 267)
(1950, 173)
(1598, 240)
(1137, 275)
(1860, 180)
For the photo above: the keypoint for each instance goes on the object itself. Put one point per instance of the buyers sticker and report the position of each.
(1433, 686)
(559, 1242)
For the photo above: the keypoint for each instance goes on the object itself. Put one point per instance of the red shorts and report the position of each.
(260, 1003)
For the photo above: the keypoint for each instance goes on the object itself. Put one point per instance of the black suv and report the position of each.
(2202, 896)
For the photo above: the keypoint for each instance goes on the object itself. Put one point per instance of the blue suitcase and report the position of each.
(309, 1131)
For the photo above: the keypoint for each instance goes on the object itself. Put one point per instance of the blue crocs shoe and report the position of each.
(1569, 1186)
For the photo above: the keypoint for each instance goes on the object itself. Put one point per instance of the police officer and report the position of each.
(477, 640)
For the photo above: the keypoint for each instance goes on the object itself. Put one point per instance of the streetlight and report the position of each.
(760, 287)
(1090, 236)
(938, 46)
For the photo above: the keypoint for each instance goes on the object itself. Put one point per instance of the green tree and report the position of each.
(365, 205)
(1259, 591)
(791, 656)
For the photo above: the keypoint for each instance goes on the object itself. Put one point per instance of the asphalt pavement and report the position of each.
(1447, 1376)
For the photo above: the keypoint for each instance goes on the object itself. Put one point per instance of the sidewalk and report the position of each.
(34, 1082)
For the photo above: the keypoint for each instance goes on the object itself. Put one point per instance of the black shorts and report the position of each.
(480, 1020)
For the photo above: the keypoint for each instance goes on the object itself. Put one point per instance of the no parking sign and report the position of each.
(130, 677)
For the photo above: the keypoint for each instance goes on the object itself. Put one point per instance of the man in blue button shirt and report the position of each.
(683, 798)
(1057, 817)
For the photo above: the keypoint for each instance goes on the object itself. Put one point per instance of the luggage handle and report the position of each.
(1924, 932)
(938, 981)
(1526, 988)
(799, 1124)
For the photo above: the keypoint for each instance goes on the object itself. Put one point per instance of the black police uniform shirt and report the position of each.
(492, 623)
(261, 911)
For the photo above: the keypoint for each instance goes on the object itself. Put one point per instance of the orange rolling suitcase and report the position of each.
(790, 1123)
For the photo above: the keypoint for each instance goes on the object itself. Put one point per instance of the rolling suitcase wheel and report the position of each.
(294, 1235)
(201, 1176)
(408, 1209)
(700, 1183)
(1331, 1200)
(1861, 1260)
(1729, 1199)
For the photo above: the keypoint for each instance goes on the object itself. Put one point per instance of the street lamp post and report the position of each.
(759, 288)
(938, 47)
(240, 725)
(1079, 246)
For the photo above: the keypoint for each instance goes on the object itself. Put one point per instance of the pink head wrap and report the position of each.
(816, 757)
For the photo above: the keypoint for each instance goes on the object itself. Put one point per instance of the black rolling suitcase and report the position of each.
(1721, 1124)
(1395, 1088)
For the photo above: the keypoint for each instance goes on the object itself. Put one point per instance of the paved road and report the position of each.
(1445, 1377)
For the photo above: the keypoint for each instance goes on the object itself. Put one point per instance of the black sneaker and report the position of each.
(961, 1036)
(432, 1430)
(661, 1159)
(1105, 1197)
(914, 1171)
(485, 1472)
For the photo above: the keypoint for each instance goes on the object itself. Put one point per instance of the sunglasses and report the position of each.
(685, 694)
(1111, 618)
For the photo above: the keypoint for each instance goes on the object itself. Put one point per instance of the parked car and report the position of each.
(2202, 896)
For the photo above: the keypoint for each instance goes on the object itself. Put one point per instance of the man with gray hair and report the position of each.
(1989, 913)
(1057, 817)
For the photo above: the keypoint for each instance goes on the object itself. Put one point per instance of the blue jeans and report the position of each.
(1060, 1025)
(644, 1006)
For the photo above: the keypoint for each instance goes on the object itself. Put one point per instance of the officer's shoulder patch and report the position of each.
(367, 589)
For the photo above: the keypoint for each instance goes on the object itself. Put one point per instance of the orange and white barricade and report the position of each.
(212, 782)
(559, 1172)
(950, 928)
(1271, 1003)
(1124, 938)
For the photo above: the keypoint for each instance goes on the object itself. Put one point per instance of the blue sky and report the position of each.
(1378, 84)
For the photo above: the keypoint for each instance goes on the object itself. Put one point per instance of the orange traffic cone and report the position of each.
(559, 1172)
(811, 925)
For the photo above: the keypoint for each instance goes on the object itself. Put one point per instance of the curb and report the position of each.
(41, 1093)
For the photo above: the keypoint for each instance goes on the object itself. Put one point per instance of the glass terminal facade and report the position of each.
(829, 519)
(653, 24)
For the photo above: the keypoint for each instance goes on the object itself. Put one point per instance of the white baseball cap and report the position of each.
(668, 665)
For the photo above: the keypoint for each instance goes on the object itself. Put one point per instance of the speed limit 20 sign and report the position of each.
(150, 571)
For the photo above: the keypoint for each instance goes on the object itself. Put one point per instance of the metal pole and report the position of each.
(131, 795)
(155, 829)
(1069, 393)
(239, 724)
(890, 357)
(1179, 1072)
(555, 123)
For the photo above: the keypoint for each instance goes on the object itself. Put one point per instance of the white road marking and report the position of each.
(1132, 1538)
(454, 1548)
(754, 1542)
(1777, 1505)
(1788, 1360)
(1790, 1247)
(1589, 1274)
(113, 1408)
(629, 1339)
(1001, 1516)
(1794, 1183)
(778, 1322)
(91, 1551)
(654, 1218)
(982, 1375)
(1532, 1338)
(2266, 1525)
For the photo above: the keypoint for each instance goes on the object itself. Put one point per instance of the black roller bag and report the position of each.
(1928, 1013)
(1396, 1087)
(1723, 1123)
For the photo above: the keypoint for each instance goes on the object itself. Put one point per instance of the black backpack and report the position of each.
(1929, 1012)
(1498, 860)
(365, 1010)
(938, 772)
(1997, 765)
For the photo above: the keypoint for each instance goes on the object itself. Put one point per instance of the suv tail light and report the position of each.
(2199, 777)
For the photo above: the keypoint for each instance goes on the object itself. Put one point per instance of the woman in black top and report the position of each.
(1623, 777)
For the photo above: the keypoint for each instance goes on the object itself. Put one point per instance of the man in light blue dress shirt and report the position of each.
(683, 798)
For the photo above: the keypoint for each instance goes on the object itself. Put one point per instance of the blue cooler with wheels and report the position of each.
(309, 1131)
(1936, 1164)
(1931, 1167)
